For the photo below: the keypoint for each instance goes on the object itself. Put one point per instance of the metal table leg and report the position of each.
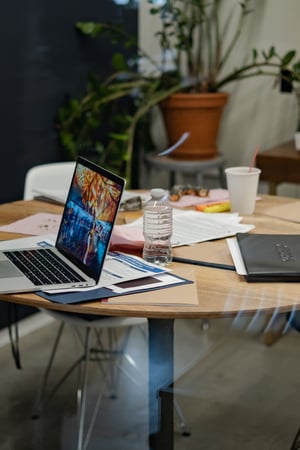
(161, 374)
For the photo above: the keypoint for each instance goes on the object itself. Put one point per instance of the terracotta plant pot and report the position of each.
(200, 115)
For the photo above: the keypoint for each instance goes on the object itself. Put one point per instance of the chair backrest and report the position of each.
(52, 177)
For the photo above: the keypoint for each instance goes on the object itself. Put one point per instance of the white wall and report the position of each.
(256, 113)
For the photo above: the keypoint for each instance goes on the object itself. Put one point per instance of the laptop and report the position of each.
(82, 241)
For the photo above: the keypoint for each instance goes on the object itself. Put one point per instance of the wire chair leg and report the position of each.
(40, 398)
(181, 419)
(120, 355)
(84, 390)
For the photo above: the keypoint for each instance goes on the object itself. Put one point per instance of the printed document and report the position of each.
(191, 227)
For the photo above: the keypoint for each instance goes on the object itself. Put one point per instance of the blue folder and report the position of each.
(86, 295)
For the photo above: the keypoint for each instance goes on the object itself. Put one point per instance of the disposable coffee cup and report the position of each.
(242, 184)
(297, 140)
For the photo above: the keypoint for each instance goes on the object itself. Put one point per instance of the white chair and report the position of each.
(55, 178)
(108, 356)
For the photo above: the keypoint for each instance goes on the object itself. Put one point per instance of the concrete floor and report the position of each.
(235, 392)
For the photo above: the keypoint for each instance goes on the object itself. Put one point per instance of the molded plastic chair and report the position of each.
(108, 351)
(55, 178)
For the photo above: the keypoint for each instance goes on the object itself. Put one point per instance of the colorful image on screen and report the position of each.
(89, 216)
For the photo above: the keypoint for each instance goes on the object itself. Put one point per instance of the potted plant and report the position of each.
(192, 66)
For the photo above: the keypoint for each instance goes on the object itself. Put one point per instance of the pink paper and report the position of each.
(37, 224)
(126, 238)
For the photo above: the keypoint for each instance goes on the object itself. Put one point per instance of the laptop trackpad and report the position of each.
(8, 270)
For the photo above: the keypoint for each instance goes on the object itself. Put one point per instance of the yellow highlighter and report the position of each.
(214, 207)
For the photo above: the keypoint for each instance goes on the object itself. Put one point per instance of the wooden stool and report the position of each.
(279, 164)
(178, 167)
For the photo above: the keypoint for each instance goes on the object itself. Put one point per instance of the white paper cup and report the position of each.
(242, 183)
(297, 140)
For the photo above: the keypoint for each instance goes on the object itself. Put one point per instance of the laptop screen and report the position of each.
(89, 215)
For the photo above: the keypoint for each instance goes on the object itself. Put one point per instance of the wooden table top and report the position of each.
(220, 292)
(285, 150)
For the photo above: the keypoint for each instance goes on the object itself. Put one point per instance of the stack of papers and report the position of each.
(236, 256)
(53, 195)
(201, 227)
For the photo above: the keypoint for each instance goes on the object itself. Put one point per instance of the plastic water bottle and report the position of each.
(157, 227)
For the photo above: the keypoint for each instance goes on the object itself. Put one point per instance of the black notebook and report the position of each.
(270, 257)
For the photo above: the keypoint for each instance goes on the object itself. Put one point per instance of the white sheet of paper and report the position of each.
(236, 256)
(57, 195)
(164, 279)
(28, 242)
(119, 267)
(191, 227)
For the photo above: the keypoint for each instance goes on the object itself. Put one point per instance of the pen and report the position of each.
(202, 263)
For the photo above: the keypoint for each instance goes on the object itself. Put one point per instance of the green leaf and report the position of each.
(67, 140)
(99, 147)
(89, 28)
(131, 42)
(93, 121)
(296, 66)
(254, 54)
(272, 52)
(119, 62)
(154, 11)
(287, 58)
(119, 137)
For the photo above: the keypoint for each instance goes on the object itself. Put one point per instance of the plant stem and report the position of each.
(240, 74)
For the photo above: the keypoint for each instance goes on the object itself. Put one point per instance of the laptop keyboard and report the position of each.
(42, 267)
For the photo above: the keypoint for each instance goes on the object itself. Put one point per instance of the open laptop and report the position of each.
(82, 242)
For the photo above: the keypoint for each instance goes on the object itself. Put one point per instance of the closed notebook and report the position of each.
(270, 257)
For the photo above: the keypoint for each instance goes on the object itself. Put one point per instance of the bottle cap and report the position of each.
(157, 193)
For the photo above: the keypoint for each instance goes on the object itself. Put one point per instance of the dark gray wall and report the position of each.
(42, 59)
